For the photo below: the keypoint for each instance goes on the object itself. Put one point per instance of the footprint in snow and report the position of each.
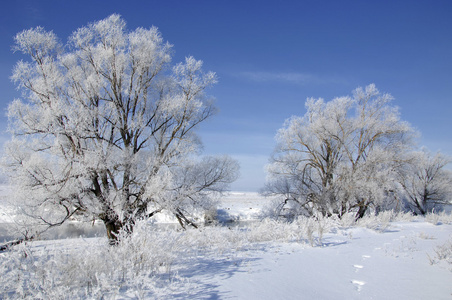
(357, 267)
(365, 257)
(358, 284)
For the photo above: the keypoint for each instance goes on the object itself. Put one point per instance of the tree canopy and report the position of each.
(106, 128)
(346, 155)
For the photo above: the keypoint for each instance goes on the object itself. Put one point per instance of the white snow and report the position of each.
(370, 265)
(402, 259)
(7, 210)
(242, 206)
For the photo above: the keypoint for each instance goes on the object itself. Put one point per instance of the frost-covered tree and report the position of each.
(426, 183)
(106, 128)
(341, 156)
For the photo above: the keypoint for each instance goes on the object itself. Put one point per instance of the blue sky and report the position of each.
(272, 55)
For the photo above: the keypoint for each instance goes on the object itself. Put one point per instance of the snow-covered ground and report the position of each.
(386, 257)
(356, 264)
(241, 206)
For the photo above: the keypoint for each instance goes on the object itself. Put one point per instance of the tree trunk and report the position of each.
(421, 209)
(361, 211)
(113, 227)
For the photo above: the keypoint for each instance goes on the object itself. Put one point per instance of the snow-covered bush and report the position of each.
(442, 253)
(139, 262)
(437, 218)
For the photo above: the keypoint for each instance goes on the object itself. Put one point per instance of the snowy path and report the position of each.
(369, 265)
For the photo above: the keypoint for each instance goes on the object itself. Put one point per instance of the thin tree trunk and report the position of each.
(361, 211)
(113, 227)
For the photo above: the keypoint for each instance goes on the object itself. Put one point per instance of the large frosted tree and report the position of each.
(106, 128)
(341, 156)
(426, 182)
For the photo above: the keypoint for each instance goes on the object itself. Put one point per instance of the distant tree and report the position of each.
(106, 129)
(341, 156)
(426, 182)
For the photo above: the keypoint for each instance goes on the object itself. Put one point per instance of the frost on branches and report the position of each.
(106, 126)
(352, 154)
(426, 182)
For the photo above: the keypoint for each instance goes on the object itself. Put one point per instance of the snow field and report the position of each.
(389, 256)
(366, 265)
(266, 260)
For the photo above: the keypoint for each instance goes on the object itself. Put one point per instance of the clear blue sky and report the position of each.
(271, 55)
